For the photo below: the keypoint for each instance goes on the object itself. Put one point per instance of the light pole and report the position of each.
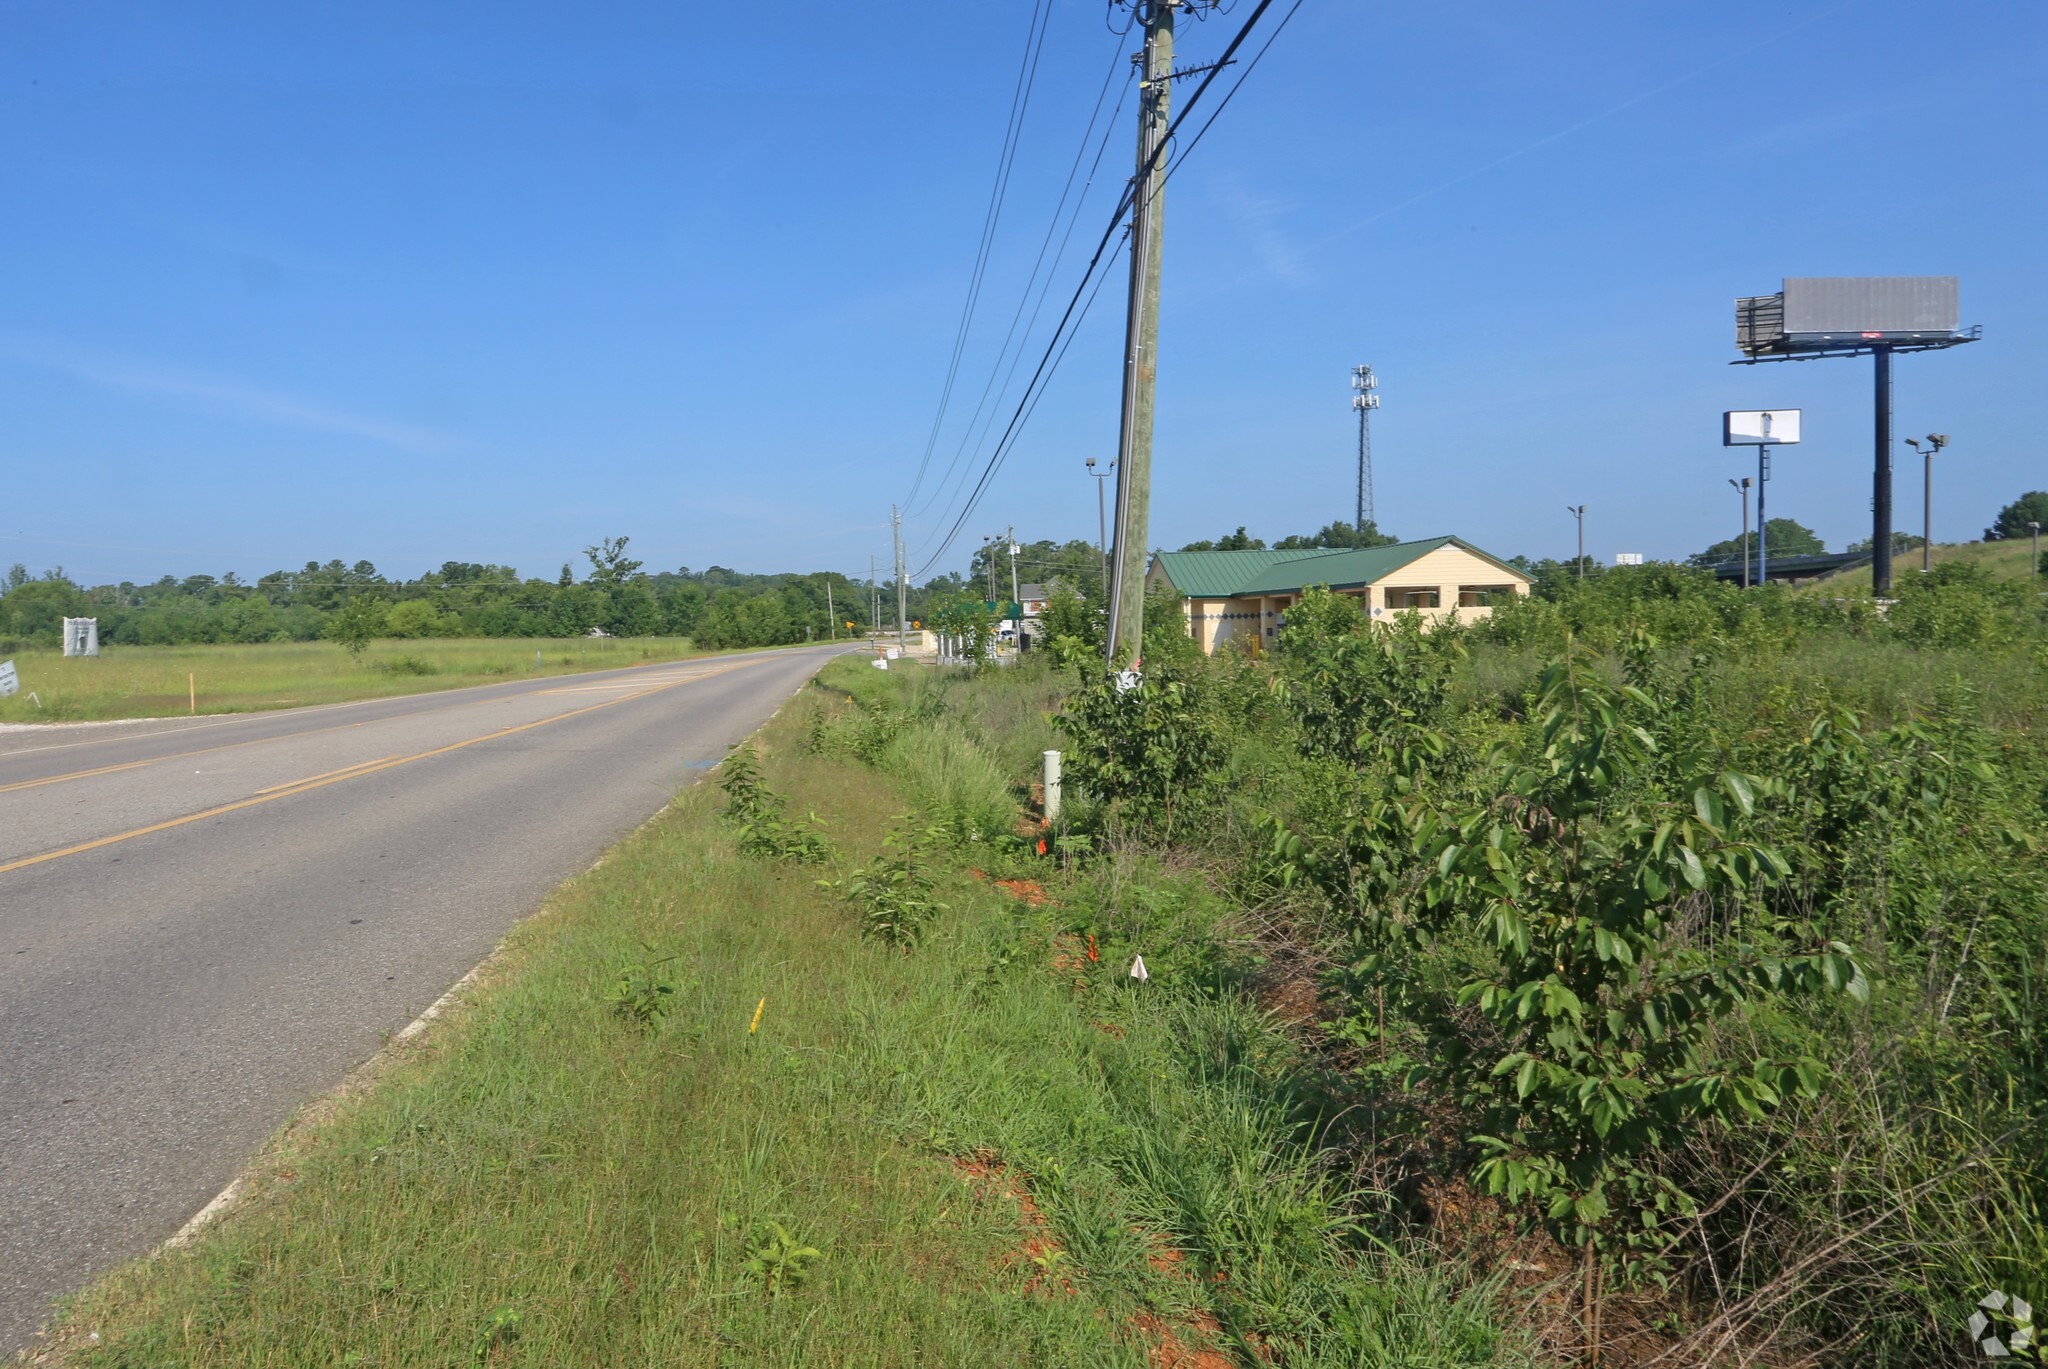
(1101, 521)
(2035, 528)
(1935, 442)
(1578, 511)
(1742, 485)
(1011, 538)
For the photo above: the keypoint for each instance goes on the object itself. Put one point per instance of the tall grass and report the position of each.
(152, 681)
(1004, 1152)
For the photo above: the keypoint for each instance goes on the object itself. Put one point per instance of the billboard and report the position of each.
(1865, 305)
(1759, 427)
(1824, 315)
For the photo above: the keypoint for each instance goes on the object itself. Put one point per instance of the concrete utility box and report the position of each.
(81, 636)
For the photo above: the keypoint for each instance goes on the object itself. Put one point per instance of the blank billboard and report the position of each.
(1871, 304)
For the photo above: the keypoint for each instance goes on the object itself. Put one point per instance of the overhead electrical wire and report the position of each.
(1006, 158)
(1062, 338)
(1051, 228)
(1224, 103)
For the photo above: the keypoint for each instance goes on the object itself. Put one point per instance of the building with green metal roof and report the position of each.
(1243, 596)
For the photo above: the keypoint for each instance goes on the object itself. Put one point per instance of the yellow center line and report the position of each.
(88, 774)
(332, 774)
(337, 777)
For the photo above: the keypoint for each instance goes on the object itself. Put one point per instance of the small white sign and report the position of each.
(9, 682)
(1628, 558)
(1759, 427)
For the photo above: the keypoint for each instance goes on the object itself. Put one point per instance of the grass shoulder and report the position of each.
(171, 681)
(692, 1114)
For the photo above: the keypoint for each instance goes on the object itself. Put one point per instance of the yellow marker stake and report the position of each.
(192, 691)
(759, 1008)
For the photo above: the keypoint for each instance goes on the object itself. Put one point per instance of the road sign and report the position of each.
(9, 681)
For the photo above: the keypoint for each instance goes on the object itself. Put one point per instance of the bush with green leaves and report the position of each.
(1152, 747)
(356, 624)
(1357, 690)
(760, 814)
(1565, 947)
(896, 891)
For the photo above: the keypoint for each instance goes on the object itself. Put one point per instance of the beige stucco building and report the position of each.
(1241, 596)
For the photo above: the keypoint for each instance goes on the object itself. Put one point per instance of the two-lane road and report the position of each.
(202, 924)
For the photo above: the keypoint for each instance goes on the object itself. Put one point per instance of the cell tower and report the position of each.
(1365, 398)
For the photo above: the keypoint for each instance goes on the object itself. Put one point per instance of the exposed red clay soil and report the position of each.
(1027, 891)
(1169, 1351)
(1040, 1251)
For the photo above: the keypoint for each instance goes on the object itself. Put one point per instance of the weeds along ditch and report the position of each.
(1675, 954)
(742, 1095)
(1644, 981)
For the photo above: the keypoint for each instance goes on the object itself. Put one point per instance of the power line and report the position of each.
(1056, 348)
(968, 435)
(1020, 101)
(1243, 76)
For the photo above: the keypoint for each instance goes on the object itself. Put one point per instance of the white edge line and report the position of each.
(225, 1200)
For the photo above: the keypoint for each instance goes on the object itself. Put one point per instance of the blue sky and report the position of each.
(412, 283)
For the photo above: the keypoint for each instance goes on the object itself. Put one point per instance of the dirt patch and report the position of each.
(1169, 1351)
(1026, 891)
(1293, 1000)
(1041, 1255)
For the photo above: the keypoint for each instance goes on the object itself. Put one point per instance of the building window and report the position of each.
(1484, 596)
(1401, 599)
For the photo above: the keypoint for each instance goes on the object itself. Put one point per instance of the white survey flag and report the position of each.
(1138, 970)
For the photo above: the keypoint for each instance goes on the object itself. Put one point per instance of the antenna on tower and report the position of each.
(1365, 398)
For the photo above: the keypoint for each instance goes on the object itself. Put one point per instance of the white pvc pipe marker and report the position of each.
(1052, 786)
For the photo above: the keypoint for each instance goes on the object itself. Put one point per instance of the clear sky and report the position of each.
(488, 282)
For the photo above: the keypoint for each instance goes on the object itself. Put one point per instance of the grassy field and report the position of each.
(811, 1147)
(2009, 560)
(152, 681)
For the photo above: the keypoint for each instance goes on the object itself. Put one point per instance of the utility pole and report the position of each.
(831, 618)
(902, 588)
(1011, 542)
(2035, 569)
(1141, 338)
(1101, 524)
(1743, 486)
(1578, 511)
(874, 598)
(1365, 399)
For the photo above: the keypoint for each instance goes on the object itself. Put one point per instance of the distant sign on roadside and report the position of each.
(10, 683)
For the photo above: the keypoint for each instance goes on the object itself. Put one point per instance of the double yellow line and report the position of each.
(354, 772)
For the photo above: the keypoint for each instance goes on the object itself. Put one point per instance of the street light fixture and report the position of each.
(1101, 520)
(1578, 511)
(1935, 442)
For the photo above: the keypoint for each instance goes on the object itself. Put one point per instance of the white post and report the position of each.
(1052, 786)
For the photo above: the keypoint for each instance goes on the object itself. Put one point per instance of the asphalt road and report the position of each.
(205, 923)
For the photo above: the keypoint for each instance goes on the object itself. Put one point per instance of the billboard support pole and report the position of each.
(1763, 537)
(1881, 480)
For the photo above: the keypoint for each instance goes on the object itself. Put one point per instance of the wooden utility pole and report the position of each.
(1141, 340)
(902, 589)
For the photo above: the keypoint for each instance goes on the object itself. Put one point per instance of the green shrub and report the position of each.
(1153, 748)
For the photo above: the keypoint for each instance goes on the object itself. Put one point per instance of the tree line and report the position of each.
(717, 607)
